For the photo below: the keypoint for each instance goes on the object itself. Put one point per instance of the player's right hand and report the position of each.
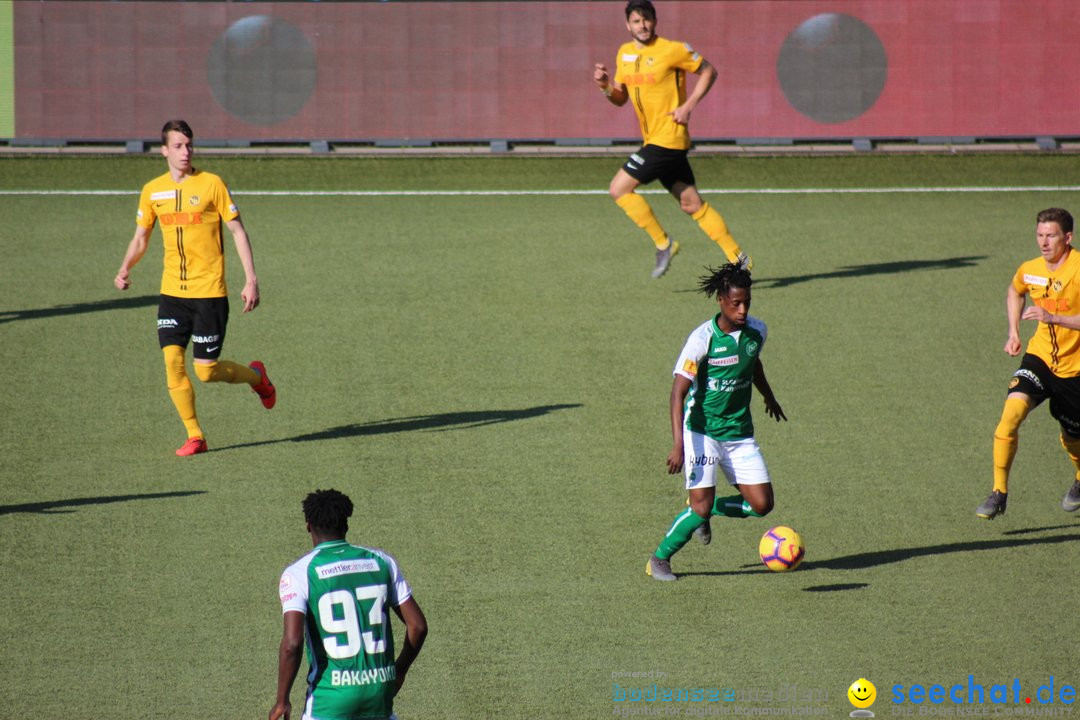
(281, 711)
(675, 461)
(121, 280)
(600, 75)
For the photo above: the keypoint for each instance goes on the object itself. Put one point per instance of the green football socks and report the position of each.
(680, 533)
(733, 507)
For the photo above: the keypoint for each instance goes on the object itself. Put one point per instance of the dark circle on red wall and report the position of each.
(262, 69)
(832, 68)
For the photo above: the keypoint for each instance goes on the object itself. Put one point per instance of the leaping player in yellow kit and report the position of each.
(651, 73)
(191, 205)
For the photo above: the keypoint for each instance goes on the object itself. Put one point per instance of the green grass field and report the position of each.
(487, 376)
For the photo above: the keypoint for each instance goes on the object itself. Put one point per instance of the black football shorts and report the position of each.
(1036, 380)
(200, 320)
(653, 162)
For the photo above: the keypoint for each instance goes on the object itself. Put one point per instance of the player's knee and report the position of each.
(761, 506)
(205, 371)
(691, 205)
(702, 508)
(175, 372)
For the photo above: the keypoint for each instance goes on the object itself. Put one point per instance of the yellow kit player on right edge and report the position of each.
(651, 74)
(1050, 369)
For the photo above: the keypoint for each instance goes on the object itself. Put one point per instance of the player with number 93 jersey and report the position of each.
(343, 592)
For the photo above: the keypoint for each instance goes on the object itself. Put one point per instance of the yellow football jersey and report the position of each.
(1057, 292)
(655, 77)
(191, 213)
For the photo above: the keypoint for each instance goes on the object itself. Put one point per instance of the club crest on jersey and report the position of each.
(193, 200)
(1056, 286)
(648, 61)
(752, 348)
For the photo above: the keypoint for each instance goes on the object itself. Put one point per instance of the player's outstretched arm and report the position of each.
(680, 386)
(615, 92)
(289, 654)
(707, 76)
(136, 249)
(415, 634)
(772, 407)
(250, 293)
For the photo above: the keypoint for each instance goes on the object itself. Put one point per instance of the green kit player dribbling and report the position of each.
(711, 425)
(337, 596)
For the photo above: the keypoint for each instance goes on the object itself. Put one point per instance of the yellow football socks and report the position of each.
(226, 371)
(1072, 446)
(180, 389)
(714, 226)
(638, 210)
(1006, 438)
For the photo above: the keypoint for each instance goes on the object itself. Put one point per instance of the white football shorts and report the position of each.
(741, 461)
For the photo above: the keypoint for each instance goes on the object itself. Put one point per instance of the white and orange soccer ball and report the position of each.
(781, 549)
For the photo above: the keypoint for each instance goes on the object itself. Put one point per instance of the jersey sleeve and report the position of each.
(145, 215)
(759, 325)
(1019, 281)
(223, 202)
(292, 591)
(399, 590)
(691, 356)
(686, 58)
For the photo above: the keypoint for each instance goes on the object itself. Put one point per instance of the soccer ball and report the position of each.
(781, 549)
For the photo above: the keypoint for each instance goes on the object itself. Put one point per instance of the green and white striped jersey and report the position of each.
(721, 368)
(344, 591)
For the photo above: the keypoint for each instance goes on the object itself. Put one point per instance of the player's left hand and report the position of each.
(773, 409)
(1034, 312)
(681, 114)
(250, 296)
(281, 711)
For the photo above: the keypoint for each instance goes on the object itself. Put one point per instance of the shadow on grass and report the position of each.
(56, 506)
(438, 423)
(862, 561)
(837, 586)
(887, 268)
(123, 303)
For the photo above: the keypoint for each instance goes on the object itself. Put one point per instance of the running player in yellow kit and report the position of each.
(1050, 368)
(191, 205)
(650, 72)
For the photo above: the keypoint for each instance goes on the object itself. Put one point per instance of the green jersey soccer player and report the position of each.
(711, 425)
(337, 596)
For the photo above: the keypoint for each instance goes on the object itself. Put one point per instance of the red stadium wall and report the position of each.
(522, 70)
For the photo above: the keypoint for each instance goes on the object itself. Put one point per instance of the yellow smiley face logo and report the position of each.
(862, 693)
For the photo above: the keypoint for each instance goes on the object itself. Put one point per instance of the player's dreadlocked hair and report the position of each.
(328, 510)
(721, 280)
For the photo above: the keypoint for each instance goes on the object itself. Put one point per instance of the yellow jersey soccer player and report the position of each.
(191, 206)
(651, 74)
(1050, 368)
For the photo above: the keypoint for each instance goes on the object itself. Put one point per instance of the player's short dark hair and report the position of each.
(179, 126)
(1056, 215)
(328, 511)
(721, 280)
(642, 7)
